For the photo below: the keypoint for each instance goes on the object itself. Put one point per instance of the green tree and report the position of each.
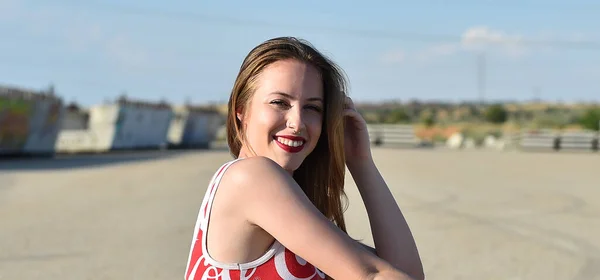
(591, 119)
(496, 114)
(398, 116)
(427, 117)
(428, 120)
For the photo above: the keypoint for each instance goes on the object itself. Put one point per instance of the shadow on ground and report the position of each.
(61, 162)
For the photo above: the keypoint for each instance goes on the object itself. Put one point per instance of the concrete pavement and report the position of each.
(475, 215)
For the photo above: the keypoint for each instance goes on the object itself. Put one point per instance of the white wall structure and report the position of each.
(91, 131)
(29, 121)
(75, 119)
(125, 125)
(140, 126)
(15, 113)
(194, 127)
(44, 127)
(84, 141)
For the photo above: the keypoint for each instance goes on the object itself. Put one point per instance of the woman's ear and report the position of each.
(239, 114)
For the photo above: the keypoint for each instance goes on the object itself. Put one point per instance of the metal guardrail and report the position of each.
(579, 141)
(392, 134)
(555, 140)
(544, 139)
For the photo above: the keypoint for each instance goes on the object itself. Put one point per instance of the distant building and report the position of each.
(125, 124)
(29, 121)
(194, 126)
(75, 118)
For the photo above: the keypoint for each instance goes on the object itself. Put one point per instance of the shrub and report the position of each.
(496, 114)
(591, 119)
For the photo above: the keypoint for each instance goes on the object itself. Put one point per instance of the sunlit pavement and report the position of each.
(475, 215)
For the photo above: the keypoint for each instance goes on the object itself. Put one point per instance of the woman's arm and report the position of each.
(392, 236)
(266, 196)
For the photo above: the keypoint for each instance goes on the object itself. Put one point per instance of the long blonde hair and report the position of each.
(321, 174)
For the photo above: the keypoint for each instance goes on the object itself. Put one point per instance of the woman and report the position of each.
(275, 211)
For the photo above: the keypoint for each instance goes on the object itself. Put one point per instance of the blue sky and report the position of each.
(403, 50)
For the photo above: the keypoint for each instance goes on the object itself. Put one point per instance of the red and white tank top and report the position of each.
(277, 263)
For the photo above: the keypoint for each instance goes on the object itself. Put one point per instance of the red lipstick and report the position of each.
(290, 149)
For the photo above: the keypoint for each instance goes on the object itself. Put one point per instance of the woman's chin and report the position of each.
(290, 164)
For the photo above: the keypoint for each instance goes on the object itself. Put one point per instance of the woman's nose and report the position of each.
(295, 121)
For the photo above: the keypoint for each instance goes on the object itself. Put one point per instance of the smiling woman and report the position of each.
(292, 143)
(275, 211)
(283, 120)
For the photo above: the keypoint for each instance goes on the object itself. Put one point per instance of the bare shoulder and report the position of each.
(255, 180)
(251, 167)
(255, 174)
(239, 239)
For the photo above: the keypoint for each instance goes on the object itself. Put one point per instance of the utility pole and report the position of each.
(537, 95)
(481, 78)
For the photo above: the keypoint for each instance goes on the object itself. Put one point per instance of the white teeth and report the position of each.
(296, 143)
(289, 142)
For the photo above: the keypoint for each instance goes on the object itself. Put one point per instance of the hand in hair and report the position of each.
(357, 147)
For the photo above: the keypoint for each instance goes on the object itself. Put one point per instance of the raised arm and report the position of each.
(274, 202)
(392, 236)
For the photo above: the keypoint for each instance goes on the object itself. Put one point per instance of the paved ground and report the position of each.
(475, 215)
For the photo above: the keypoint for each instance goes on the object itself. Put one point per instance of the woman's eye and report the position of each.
(284, 104)
(279, 103)
(316, 108)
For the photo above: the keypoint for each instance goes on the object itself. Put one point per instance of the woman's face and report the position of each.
(284, 117)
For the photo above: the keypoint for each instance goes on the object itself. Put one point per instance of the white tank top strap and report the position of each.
(211, 190)
(276, 247)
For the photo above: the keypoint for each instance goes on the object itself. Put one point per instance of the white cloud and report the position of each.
(481, 38)
(478, 39)
(482, 35)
